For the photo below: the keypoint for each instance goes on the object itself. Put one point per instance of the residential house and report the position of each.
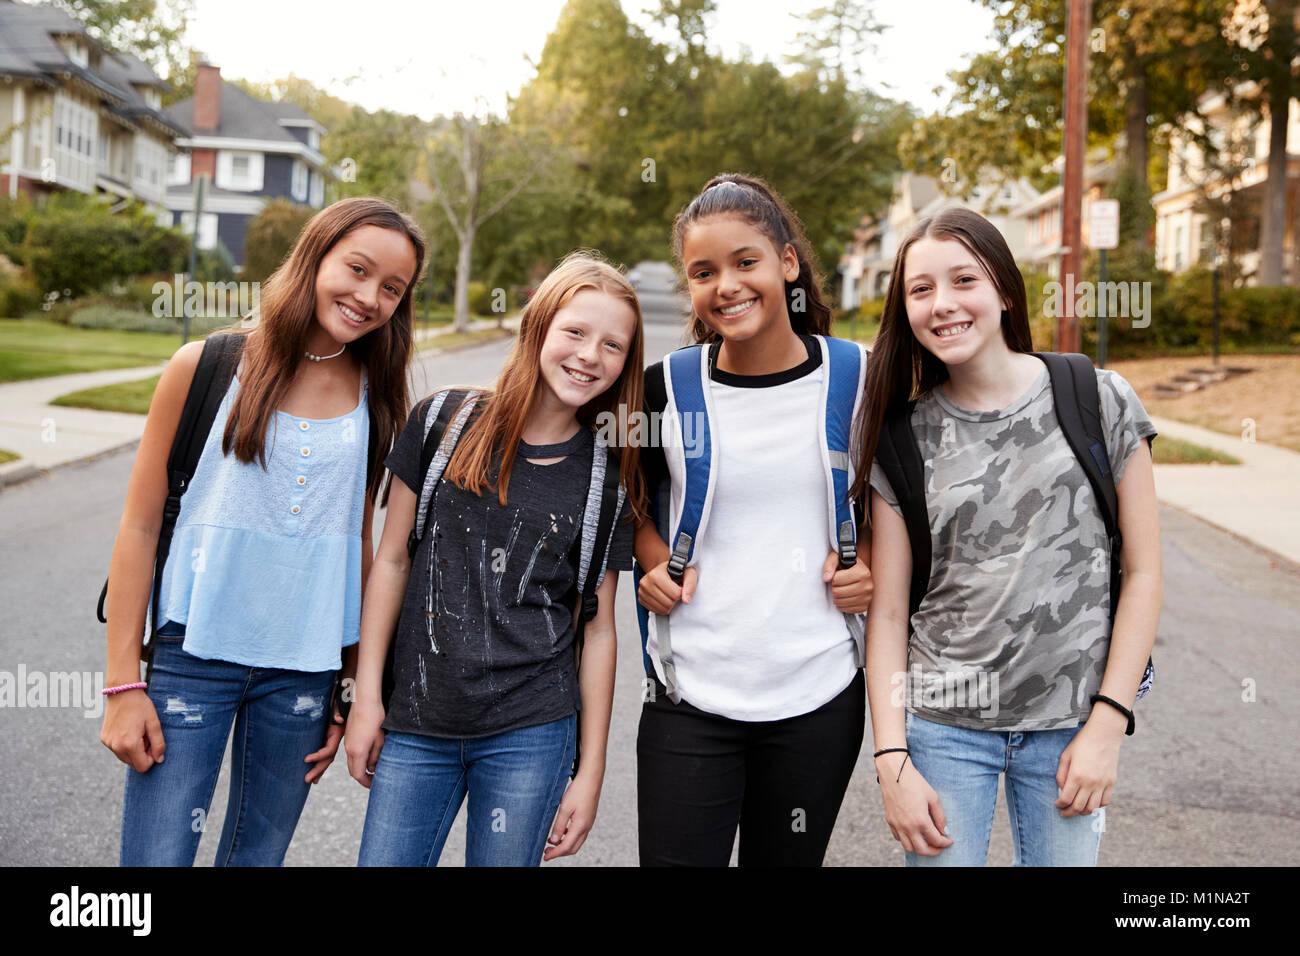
(1040, 219)
(251, 151)
(76, 116)
(1184, 234)
(865, 268)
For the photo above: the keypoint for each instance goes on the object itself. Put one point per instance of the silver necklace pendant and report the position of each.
(321, 358)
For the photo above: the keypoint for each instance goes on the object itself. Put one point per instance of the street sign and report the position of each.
(1103, 224)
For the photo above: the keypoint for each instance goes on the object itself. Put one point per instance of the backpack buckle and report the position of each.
(590, 604)
(677, 563)
(412, 545)
(848, 546)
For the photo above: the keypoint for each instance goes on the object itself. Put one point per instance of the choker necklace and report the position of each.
(321, 358)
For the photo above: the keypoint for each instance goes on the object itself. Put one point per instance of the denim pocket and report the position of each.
(170, 633)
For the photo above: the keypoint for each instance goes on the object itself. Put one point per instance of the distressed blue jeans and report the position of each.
(279, 717)
(514, 781)
(963, 767)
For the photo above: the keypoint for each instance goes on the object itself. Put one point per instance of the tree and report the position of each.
(477, 167)
(153, 30)
(271, 235)
(836, 39)
(1264, 32)
(1149, 62)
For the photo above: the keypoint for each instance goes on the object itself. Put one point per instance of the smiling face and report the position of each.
(361, 281)
(953, 307)
(585, 348)
(737, 278)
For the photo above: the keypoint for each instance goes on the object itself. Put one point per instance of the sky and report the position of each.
(427, 57)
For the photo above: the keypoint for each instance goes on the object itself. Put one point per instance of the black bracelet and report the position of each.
(894, 750)
(1132, 724)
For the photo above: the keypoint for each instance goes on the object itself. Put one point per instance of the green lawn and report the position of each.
(7, 456)
(860, 331)
(460, 338)
(133, 397)
(37, 349)
(1172, 451)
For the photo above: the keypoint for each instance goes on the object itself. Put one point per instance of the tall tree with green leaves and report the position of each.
(1264, 34)
(153, 30)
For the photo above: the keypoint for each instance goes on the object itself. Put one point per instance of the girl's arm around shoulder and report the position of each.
(577, 813)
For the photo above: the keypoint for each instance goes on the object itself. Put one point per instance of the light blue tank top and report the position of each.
(265, 566)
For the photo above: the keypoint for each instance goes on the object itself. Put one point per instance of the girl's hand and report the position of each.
(912, 807)
(851, 588)
(364, 740)
(325, 756)
(574, 818)
(132, 730)
(658, 592)
(1090, 764)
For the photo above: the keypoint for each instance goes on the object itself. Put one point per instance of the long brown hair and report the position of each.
(759, 204)
(287, 308)
(494, 438)
(901, 369)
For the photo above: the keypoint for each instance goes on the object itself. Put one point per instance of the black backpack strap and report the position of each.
(1078, 409)
(211, 381)
(900, 459)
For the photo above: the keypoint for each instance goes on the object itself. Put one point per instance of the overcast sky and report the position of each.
(439, 56)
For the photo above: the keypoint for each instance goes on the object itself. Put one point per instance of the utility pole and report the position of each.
(1076, 145)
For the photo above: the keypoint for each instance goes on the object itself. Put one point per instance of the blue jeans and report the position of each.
(279, 716)
(963, 767)
(514, 780)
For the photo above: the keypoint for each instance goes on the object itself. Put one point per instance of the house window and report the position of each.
(239, 171)
(298, 186)
(313, 138)
(207, 228)
(317, 190)
(179, 173)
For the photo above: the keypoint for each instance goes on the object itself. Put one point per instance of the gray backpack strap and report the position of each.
(439, 409)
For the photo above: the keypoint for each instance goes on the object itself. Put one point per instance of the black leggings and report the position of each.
(700, 775)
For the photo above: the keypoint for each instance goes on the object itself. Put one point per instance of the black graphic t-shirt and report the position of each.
(485, 637)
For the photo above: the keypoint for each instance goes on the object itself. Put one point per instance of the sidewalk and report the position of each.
(1258, 500)
(46, 436)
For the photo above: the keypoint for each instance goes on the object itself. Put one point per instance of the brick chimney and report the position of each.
(207, 116)
(207, 99)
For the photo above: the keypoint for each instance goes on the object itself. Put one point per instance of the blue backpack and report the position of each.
(682, 520)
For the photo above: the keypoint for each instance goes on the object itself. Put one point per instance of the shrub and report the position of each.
(270, 238)
(18, 296)
(480, 298)
(100, 314)
(75, 244)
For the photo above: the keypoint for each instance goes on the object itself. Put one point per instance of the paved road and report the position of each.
(1209, 778)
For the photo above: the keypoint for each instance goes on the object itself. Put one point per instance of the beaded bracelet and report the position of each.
(122, 687)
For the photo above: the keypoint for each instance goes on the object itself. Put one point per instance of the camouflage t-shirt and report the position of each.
(1014, 631)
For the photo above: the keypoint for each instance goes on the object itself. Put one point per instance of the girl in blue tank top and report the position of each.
(260, 595)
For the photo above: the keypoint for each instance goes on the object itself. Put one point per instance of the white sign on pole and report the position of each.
(1103, 224)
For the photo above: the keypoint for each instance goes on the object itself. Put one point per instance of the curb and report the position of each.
(16, 472)
(438, 350)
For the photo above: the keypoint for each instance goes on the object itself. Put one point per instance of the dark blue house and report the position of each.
(252, 151)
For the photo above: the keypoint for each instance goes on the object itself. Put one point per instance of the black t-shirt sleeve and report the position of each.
(404, 460)
(654, 466)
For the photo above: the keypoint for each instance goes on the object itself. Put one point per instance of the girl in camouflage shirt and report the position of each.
(1004, 666)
